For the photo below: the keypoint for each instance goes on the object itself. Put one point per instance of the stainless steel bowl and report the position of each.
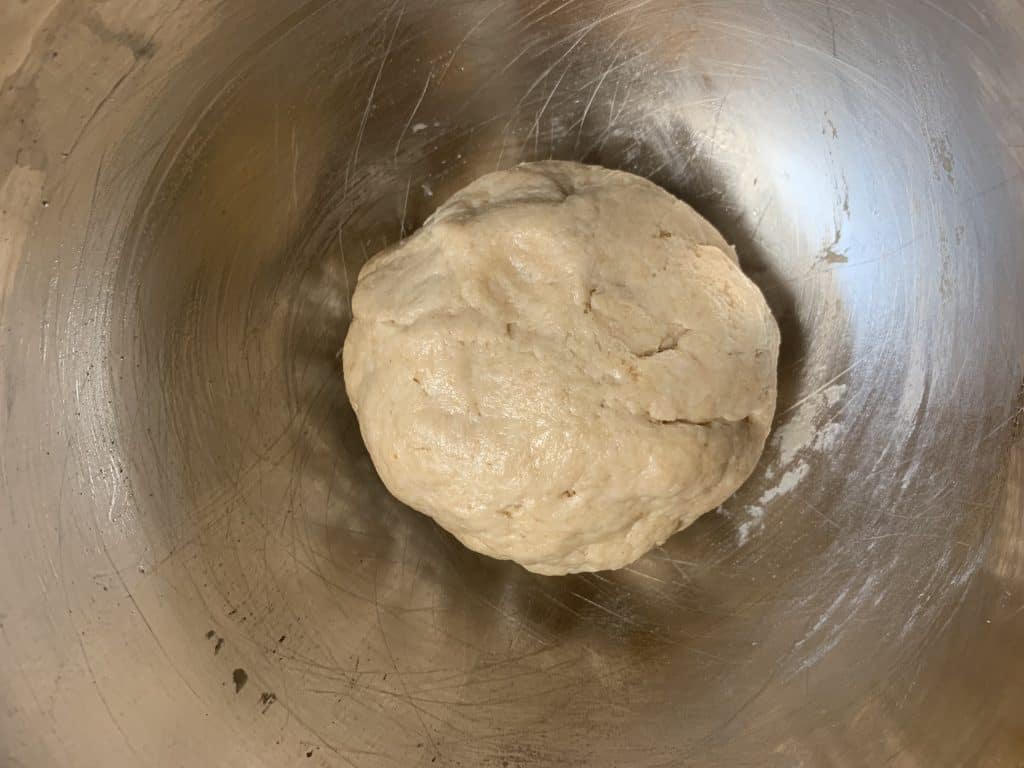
(199, 565)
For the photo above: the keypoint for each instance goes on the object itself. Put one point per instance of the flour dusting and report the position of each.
(804, 428)
(754, 522)
(809, 428)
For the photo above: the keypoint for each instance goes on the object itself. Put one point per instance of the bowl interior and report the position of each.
(865, 175)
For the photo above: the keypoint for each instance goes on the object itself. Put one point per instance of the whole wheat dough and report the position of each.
(563, 367)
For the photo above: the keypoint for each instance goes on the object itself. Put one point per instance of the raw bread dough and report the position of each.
(563, 367)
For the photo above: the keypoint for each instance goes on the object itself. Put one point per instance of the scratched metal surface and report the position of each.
(199, 565)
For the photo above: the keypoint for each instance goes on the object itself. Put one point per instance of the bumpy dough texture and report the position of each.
(563, 367)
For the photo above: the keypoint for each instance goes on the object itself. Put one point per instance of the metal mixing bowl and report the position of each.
(199, 565)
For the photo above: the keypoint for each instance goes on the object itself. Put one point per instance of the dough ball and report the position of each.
(563, 367)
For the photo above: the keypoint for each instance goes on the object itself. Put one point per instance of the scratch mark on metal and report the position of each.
(405, 210)
(99, 107)
(586, 30)
(644, 575)
(956, 20)
(295, 171)
(394, 663)
(823, 387)
(547, 15)
(604, 608)
(832, 24)
(604, 76)
(465, 37)
(535, 130)
(412, 116)
(354, 160)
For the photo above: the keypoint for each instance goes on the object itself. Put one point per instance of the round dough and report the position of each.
(563, 367)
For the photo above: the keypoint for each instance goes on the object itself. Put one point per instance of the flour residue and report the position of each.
(804, 429)
(790, 480)
(808, 428)
(754, 522)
